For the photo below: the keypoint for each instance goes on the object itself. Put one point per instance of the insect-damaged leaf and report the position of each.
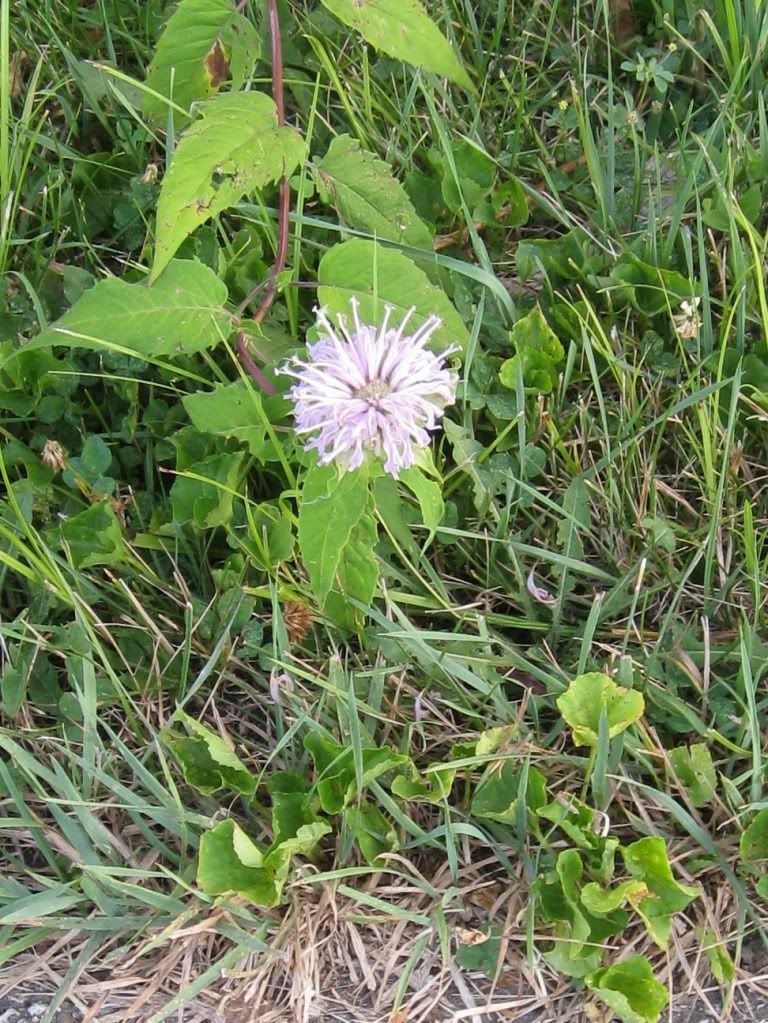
(236, 147)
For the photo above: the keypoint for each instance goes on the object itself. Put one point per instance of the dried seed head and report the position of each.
(298, 619)
(54, 456)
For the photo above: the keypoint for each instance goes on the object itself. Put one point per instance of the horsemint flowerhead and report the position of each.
(373, 390)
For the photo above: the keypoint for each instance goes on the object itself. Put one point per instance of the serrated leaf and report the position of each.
(94, 536)
(235, 148)
(586, 697)
(631, 990)
(204, 43)
(234, 410)
(182, 313)
(336, 780)
(330, 510)
(539, 354)
(403, 30)
(206, 760)
(367, 196)
(378, 276)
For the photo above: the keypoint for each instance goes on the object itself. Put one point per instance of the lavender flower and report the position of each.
(369, 390)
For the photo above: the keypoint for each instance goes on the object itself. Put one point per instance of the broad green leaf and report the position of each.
(429, 495)
(293, 819)
(206, 504)
(182, 313)
(539, 354)
(431, 787)
(576, 820)
(647, 861)
(583, 702)
(648, 287)
(378, 276)
(403, 30)
(367, 196)
(753, 846)
(235, 148)
(476, 172)
(234, 410)
(336, 780)
(601, 901)
(204, 44)
(373, 832)
(510, 203)
(358, 571)
(336, 533)
(631, 990)
(694, 767)
(230, 861)
(496, 797)
(206, 760)
(562, 259)
(94, 536)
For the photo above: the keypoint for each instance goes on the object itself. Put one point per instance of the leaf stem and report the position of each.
(284, 205)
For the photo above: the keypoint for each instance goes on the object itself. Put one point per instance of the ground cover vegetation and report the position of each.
(284, 742)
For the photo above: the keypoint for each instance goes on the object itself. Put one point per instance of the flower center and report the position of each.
(373, 390)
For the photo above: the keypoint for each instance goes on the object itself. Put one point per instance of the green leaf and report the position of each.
(403, 30)
(230, 861)
(429, 495)
(336, 531)
(204, 503)
(649, 288)
(602, 901)
(720, 963)
(496, 797)
(476, 173)
(582, 704)
(337, 784)
(431, 787)
(562, 259)
(373, 832)
(539, 354)
(694, 767)
(647, 860)
(753, 846)
(631, 990)
(234, 410)
(559, 903)
(204, 44)
(183, 312)
(94, 536)
(235, 148)
(367, 196)
(576, 820)
(293, 819)
(206, 760)
(510, 204)
(378, 276)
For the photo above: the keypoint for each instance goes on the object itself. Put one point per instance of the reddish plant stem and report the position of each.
(281, 252)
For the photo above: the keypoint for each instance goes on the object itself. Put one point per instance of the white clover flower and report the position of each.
(687, 321)
(370, 390)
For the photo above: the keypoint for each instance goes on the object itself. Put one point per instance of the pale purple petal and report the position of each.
(364, 390)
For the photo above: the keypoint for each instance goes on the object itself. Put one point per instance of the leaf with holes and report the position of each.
(378, 276)
(204, 44)
(367, 196)
(182, 313)
(235, 148)
(403, 30)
